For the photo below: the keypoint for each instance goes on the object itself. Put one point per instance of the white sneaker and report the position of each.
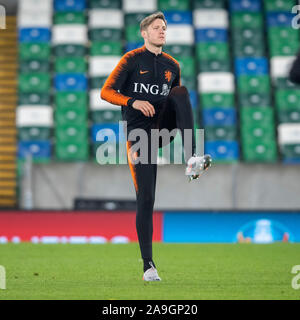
(197, 165)
(151, 275)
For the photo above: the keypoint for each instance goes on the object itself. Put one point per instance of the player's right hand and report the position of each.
(145, 107)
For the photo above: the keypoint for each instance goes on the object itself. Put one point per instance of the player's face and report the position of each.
(156, 33)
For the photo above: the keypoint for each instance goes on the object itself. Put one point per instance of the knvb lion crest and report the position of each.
(168, 75)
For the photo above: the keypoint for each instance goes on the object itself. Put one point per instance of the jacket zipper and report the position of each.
(155, 67)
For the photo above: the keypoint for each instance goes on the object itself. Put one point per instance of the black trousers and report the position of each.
(176, 112)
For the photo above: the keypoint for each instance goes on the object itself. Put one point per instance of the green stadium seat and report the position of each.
(246, 49)
(281, 33)
(106, 116)
(134, 18)
(287, 99)
(214, 65)
(177, 5)
(69, 50)
(279, 5)
(105, 34)
(219, 100)
(189, 82)
(290, 151)
(214, 50)
(253, 84)
(72, 151)
(30, 66)
(221, 133)
(34, 133)
(208, 4)
(256, 133)
(104, 4)
(252, 36)
(180, 50)
(70, 65)
(71, 133)
(32, 51)
(188, 66)
(72, 116)
(106, 48)
(254, 99)
(69, 17)
(260, 151)
(34, 82)
(285, 83)
(288, 116)
(70, 99)
(284, 48)
(34, 98)
(133, 34)
(243, 20)
(261, 116)
(97, 82)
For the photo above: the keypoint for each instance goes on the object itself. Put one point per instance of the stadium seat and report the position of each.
(245, 5)
(104, 4)
(219, 117)
(72, 151)
(71, 133)
(69, 34)
(69, 5)
(70, 81)
(251, 66)
(222, 151)
(40, 151)
(72, 116)
(133, 6)
(70, 65)
(34, 35)
(170, 5)
(70, 99)
(208, 4)
(278, 5)
(219, 100)
(106, 48)
(31, 51)
(34, 82)
(220, 133)
(69, 17)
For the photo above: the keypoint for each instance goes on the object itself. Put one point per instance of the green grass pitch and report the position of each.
(114, 271)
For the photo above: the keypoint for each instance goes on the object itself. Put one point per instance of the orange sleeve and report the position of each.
(115, 81)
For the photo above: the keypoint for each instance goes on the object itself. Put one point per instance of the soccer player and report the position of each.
(146, 84)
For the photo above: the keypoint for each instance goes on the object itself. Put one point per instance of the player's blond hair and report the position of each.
(145, 23)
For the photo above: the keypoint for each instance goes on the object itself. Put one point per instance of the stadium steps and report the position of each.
(8, 102)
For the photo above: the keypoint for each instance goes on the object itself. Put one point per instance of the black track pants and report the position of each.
(175, 113)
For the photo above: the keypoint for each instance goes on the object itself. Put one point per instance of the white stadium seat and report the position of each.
(210, 18)
(102, 65)
(280, 66)
(106, 18)
(96, 103)
(37, 115)
(180, 34)
(133, 6)
(65, 33)
(215, 82)
(289, 133)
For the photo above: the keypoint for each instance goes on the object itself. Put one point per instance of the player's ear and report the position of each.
(143, 33)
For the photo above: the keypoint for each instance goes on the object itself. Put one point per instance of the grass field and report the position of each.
(114, 271)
